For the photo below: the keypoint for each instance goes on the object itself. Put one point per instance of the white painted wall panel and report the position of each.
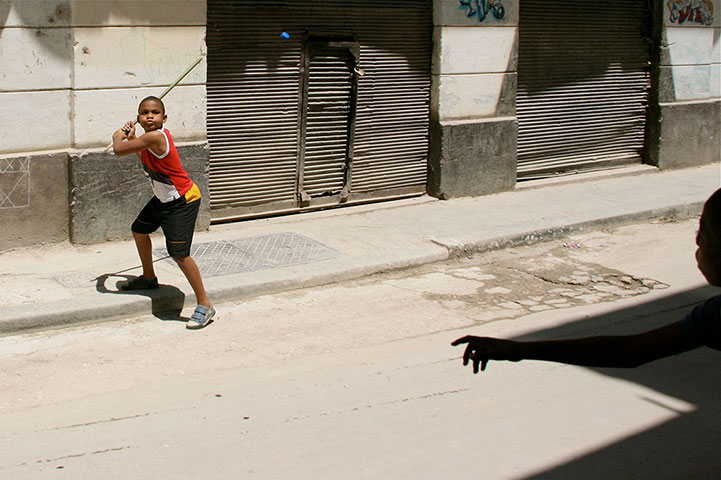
(137, 56)
(469, 96)
(35, 121)
(474, 50)
(139, 12)
(691, 50)
(98, 113)
(689, 46)
(716, 46)
(691, 82)
(35, 59)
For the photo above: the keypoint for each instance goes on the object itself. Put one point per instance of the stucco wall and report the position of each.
(33, 199)
(107, 200)
(72, 72)
(689, 85)
(690, 51)
(35, 75)
(134, 51)
(473, 124)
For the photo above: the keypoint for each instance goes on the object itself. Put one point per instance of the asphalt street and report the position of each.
(358, 379)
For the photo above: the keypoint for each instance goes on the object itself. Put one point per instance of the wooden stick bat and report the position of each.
(167, 90)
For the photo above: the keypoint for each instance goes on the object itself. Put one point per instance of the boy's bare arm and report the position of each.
(607, 351)
(125, 142)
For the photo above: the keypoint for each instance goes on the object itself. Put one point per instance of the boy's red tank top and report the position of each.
(167, 176)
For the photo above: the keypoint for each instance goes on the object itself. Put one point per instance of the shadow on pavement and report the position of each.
(167, 301)
(685, 447)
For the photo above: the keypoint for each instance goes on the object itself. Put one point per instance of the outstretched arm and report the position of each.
(625, 351)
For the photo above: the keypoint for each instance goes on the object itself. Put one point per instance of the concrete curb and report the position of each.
(551, 233)
(166, 300)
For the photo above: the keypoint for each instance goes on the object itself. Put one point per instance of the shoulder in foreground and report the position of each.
(153, 134)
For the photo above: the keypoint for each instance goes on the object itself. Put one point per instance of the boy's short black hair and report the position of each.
(151, 97)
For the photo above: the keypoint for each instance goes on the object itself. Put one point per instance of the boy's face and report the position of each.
(708, 253)
(151, 115)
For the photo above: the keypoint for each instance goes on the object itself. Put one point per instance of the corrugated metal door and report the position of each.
(263, 157)
(252, 107)
(328, 117)
(583, 82)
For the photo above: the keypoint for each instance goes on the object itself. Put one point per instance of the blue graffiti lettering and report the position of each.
(692, 11)
(481, 8)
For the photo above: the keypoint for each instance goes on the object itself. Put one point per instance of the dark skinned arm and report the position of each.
(125, 142)
(621, 351)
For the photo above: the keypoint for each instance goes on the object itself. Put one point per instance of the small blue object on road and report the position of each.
(285, 35)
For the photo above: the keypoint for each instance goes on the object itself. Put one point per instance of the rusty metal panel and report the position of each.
(252, 106)
(329, 110)
(255, 96)
(583, 85)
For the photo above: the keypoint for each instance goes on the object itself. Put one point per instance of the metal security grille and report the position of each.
(252, 106)
(391, 132)
(255, 253)
(255, 93)
(583, 82)
(329, 110)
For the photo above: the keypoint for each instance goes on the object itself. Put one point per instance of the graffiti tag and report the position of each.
(14, 183)
(481, 9)
(158, 63)
(693, 11)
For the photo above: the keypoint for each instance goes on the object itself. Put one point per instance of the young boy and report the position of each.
(174, 206)
(702, 326)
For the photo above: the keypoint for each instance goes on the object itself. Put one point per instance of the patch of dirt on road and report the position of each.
(528, 284)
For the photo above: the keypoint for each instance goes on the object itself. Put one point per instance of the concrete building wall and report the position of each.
(35, 75)
(474, 129)
(123, 53)
(71, 73)
(689, 85)
(35, 98)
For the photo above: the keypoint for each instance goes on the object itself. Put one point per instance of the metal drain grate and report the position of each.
(255, 253)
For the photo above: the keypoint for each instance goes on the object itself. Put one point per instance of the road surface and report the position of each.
(358, 380)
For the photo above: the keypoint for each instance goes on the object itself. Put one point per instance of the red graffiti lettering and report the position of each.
(685, 14)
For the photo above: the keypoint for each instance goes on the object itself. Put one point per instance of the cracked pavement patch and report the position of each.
(511, 288)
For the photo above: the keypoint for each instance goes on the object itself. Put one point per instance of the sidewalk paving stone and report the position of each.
(56, 285)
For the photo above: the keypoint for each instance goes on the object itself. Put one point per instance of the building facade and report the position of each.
(303, 104)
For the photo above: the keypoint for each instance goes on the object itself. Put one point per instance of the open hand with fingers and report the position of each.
(482, 349)
(702, 326)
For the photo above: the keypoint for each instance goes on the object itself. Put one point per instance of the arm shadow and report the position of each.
(684, 446)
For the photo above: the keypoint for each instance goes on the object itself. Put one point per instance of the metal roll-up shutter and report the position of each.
(391, 133)
(583, 83)
(255, 98)
(328, 122)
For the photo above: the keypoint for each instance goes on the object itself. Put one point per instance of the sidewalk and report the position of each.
(64, 284)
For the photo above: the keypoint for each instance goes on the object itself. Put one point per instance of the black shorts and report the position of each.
(177, 219)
